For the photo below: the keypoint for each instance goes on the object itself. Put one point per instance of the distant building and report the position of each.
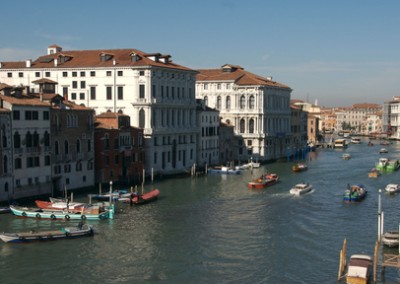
(119, 150)
(354, 117)
(299, 122)
(228, 143)
(391, 118)
(257, 107)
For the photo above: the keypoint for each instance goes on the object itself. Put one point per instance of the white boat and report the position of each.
(392, 188)
(383, 151)
(340, 143)
(346, 156)
(355, 140)
(391, 238)
(301, 188)
(359, 269)
(251, 165)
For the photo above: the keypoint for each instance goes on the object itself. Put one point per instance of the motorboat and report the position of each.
(359, 269)
(383, 151)
(355, 193)
(392, 188)
(301, 188)
(346, 156)
(263, 181)
(391, 238)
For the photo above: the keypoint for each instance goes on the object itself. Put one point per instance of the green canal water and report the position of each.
(215, 230)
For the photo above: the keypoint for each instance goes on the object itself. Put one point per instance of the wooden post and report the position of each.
(379, 216)
(100, 188)
(72, 197)
(375, 259)
(340, 266)
(152, 175)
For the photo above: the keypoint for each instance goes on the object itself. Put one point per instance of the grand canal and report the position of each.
(214, 230)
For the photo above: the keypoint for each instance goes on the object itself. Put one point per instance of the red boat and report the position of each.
(263, 181)
(144, 198)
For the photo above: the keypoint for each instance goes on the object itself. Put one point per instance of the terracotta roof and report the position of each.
(366, 105)
(237, 75)
(44, 81)
(5, 86)
(91, 59)
(24, 101)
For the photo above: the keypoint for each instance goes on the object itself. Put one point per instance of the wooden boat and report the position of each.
(60, 204)
(346, 156)
(223, 171)
(359, 269)
(355, 193)
(139, 199)
(301, 188)
(299, 167)
(91, 213)
(63, 233)
(392, 188)
(263, 181)
(374, 173)
(391, 238)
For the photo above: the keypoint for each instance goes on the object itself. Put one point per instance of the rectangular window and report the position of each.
(65, 74)
(9, 75)
(141, 91)
(73, 96)
(141, 73)
(120, 73)
(109, 93)
(47, 160)
(92, 93)
(108, 73)
(16, 115)
(17, 163)
(28, 115)
(83, 84)
(120, 93)
(74, 84)
(65, 92)
(83, 74)
(20, 74)
(92, 73)
(81, 96)
(35, 115)
(74, 74)
(47, 74)
(153, 91)
(37, 74)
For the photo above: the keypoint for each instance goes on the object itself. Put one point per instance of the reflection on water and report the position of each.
(215, 230)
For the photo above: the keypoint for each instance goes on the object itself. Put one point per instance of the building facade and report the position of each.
(6, 180)
(258, 109)
(354, 117)
(155, 92)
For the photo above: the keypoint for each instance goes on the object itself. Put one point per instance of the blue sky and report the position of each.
(335, 53)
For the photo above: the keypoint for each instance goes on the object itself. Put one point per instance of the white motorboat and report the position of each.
(391, 238)
(301, 188)
(392, 188)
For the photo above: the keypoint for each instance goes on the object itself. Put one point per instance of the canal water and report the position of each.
(214, 230)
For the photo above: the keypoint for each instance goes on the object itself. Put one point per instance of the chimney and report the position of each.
(55, 62)
(114, 62)
(28, 63)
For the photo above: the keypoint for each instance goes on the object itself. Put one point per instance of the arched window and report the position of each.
(3, 136)
(46, 139)
(228, 103)
(219, 102)
(66, 147)
(17, 140)
(28, 138)
(251, 125)
(35, 139)
(251, 102)
(141, 118)
(206, 101)
(56, 148)
(242, 126)
(242, 103)
(78, 146)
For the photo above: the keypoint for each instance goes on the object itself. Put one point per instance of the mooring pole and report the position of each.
(379, 216)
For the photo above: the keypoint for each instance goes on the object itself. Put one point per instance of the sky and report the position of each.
(332, 53)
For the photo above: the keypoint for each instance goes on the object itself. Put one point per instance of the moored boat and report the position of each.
(59, 204)
(299, 167)
(138, 199)
(5, 209)
(383, 151)
(382, 164)
(92, 213)
(355, 193)
(263, 181)
(359, 269)
(346, 156)
(301, 188)
(391, 238)
(115, 195)
(373, 173)
(224, 171)
(63, 233)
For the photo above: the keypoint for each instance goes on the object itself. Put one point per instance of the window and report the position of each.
(9, 75)
(242, 102)
(251, 126)
(46, 115)
(219, 102)
(228, 102)
(116, 160)
(92, 93)
(120, 94)
(20, 74)
(28, 115)
(73, 96)
(74, 84)
(74, 74)
(92, 74)
(47, 74)
(141, 118)
(206, 101)
(141, 73)
(37, 74)
(141, 91)
(83, 84)
(109, 93)
(83, 74)
(16, 115)
(153, 91)
(81, 96)
(120, 73)
(241, 126)
(18, 163)
(251, 102)
(65, 74)
(108, 73)
(66, 147)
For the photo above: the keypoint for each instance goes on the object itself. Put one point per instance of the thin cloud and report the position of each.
(61, 38)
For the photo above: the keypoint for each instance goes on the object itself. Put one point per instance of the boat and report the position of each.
(391, 238)
(63, 233)
(224, 171)
(370, 144)
(5, 209)
(116, 195)
(383, 151)
(91, 213)
(138, 199)
(355, 140)
(355, 193)
(263, 181)
(393, 165)
(359, 269)
(299, 167)
(301, 188)
(60, 204)
(346, 156)
(340, 143)
(382, 164)
(392, 188)
(251, 165)
(374, 173)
